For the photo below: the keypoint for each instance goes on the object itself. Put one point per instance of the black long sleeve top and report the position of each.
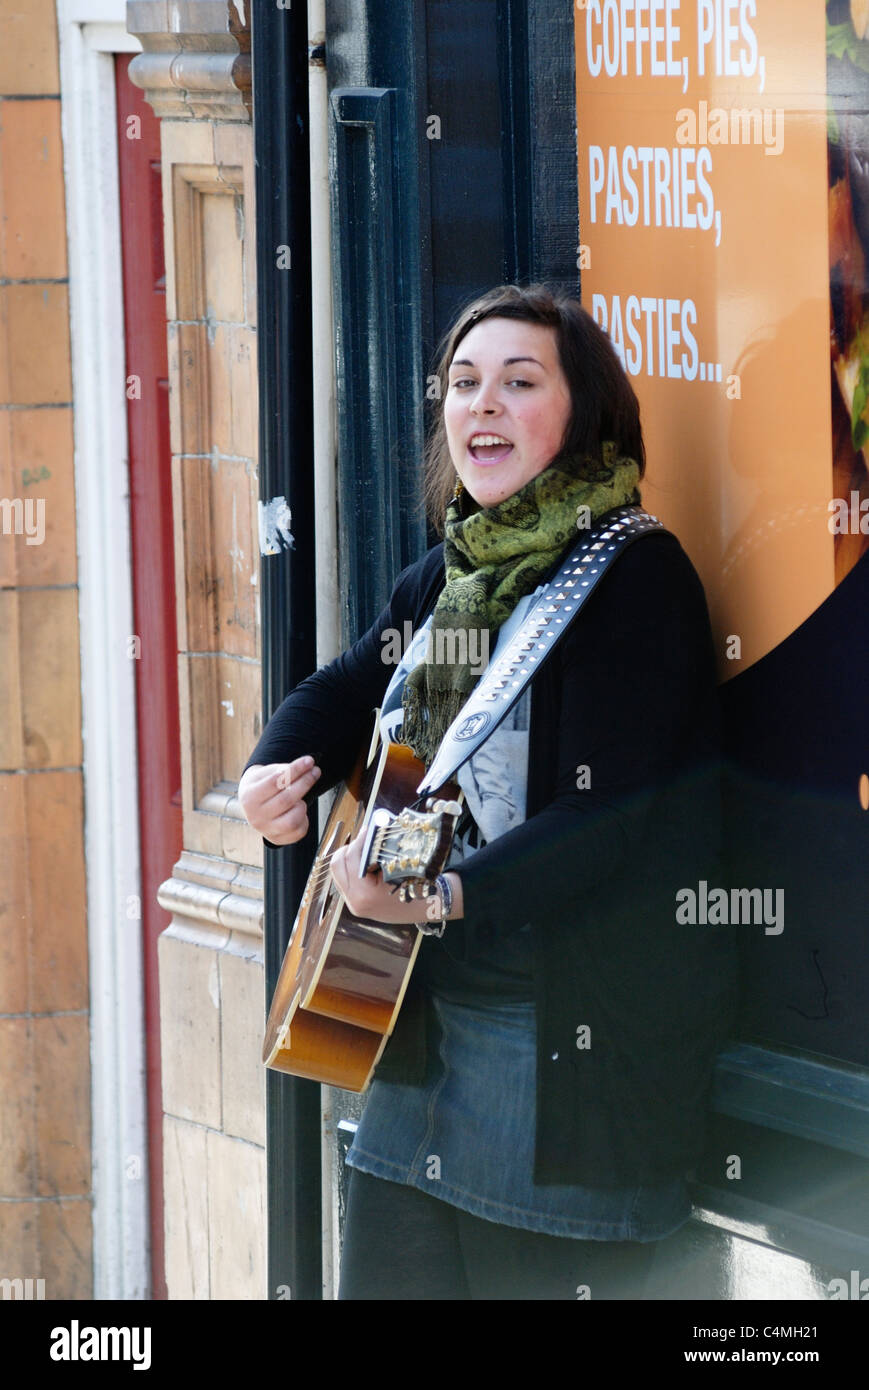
(623, 811)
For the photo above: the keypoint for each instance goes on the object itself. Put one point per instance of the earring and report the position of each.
(460, 487)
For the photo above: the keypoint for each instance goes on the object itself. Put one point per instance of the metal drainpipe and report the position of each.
(286, 471)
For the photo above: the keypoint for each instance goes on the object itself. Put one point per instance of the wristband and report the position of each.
(429, 928)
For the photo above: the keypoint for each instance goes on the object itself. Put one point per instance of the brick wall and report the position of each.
(45, 1159)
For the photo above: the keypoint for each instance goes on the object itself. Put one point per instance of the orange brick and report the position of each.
(7, 473)
(5, 365)
(42, 472)
(18, 1173)
(33, 227)
(50, 680)
(14, 899)
(55, 842)
(37, 346)
(61, 1065)
(66, 1249)
(28, 47)
(11, 742)
(19, 1240)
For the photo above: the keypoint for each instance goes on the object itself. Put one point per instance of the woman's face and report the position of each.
(507, 387)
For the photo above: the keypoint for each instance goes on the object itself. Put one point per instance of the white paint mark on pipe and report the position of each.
(274, 527)
(227, 705)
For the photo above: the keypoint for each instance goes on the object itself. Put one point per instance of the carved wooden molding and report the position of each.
(196, 60)
(225, 898)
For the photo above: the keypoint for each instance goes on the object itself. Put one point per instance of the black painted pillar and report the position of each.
(286, 470)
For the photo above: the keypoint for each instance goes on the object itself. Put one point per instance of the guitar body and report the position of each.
(343, 978)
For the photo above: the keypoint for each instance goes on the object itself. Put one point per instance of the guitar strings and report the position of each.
(324, 870)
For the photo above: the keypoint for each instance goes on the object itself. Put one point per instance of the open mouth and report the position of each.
(489, 448)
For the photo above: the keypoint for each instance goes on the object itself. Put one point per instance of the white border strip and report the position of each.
(89, 31)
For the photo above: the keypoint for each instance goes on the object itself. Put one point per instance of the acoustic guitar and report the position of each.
(343, 978)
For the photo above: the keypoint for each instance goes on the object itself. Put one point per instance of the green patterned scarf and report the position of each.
(494, 556)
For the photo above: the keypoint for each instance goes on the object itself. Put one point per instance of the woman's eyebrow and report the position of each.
(508, 361)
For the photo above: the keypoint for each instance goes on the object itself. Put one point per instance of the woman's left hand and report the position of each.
(370, 897)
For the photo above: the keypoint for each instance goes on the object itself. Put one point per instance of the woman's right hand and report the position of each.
(272, 798)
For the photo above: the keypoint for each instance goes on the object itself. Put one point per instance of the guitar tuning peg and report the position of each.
(438, 806)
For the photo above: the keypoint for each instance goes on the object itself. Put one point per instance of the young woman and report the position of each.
(532, 1121)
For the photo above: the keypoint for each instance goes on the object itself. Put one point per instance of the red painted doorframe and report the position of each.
(159, 750)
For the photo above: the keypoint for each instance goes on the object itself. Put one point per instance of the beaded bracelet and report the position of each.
(428, 928)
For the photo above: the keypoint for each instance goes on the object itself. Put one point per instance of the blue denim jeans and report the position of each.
(466, 1135)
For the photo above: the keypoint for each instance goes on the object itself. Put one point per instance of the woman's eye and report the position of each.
(470, 381)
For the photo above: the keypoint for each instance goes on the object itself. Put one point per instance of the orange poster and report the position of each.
(705, 196)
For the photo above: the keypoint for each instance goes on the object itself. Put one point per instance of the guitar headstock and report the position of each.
(412, 847)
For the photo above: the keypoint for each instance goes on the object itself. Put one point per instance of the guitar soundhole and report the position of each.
(327, 889)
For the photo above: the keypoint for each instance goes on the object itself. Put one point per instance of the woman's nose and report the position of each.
(484, 401)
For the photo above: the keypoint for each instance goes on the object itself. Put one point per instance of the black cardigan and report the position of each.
(631, 1006)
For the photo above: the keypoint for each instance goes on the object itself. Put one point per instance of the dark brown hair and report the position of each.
(604, 405)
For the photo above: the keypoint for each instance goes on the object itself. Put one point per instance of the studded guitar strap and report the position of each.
(543, 627)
